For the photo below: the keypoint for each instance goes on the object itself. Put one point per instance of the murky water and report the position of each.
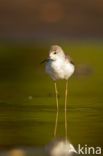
(33, 124)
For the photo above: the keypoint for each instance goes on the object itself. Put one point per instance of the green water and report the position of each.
(27, 98)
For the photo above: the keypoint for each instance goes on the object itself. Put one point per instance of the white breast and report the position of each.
(69, 70)
(59, 69)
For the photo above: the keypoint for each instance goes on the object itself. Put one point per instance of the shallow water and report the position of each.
(32, 123)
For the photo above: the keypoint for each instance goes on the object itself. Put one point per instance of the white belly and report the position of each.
(59, 70)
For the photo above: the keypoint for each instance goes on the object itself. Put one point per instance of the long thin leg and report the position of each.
(56, 120)
(65, 109)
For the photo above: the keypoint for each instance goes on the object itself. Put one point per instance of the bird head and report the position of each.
(56, 52)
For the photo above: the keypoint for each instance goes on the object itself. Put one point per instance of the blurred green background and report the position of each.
(27, 98)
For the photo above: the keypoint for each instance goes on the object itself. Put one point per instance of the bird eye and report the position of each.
(55, 52)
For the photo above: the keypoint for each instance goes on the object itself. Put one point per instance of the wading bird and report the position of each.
(59, 66)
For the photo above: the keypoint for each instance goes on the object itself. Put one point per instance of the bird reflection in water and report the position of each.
(60, 147)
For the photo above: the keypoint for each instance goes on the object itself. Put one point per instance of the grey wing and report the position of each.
(68, 58)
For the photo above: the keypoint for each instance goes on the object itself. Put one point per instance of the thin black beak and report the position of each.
(46, 60)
